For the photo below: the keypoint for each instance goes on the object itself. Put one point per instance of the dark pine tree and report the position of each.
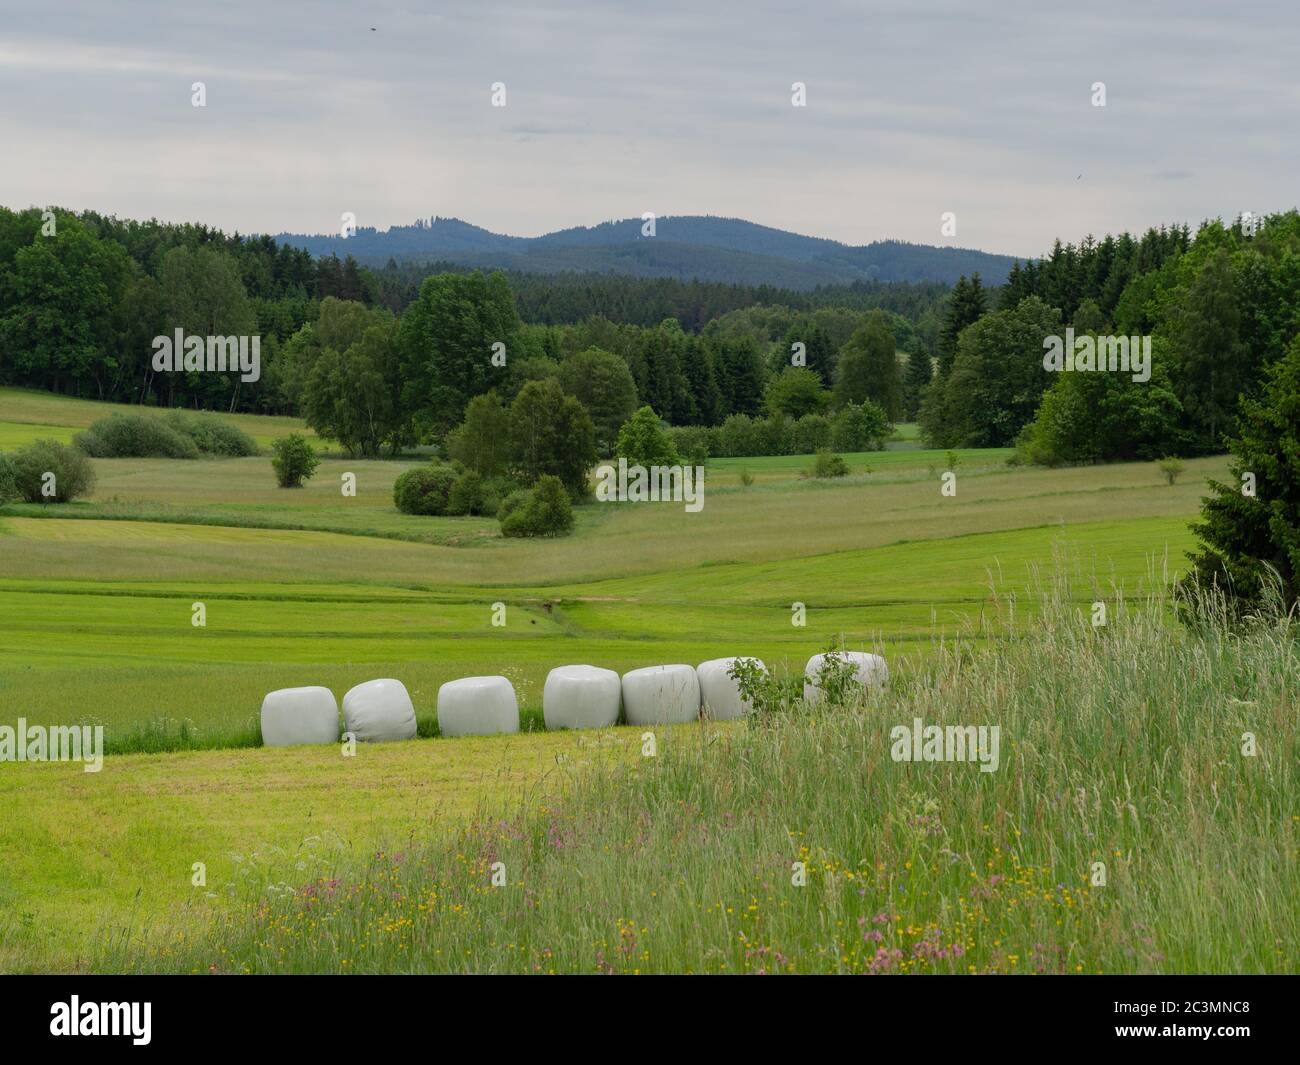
(1246, 536)
(916, 380)
(966, 305)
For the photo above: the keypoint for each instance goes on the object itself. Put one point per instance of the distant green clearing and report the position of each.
(14, 435)
(26, 416)
(916, 460)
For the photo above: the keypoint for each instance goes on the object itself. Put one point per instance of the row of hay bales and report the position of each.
(578, 696)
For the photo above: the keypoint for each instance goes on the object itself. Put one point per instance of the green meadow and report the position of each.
(311, 587)
(27, 415)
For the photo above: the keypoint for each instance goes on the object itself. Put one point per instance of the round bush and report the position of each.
(644, 442)
(135, 436)
(512, 502)
(425, 490)
(294, 460)
(547, 511)
(468, 495)
(73, 474)
(211, 435)
(829, 464)
(857, 427)
(810, 434)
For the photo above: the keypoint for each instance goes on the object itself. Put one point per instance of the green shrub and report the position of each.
(545, 511)
(828, 464)
(135, 436)
(294, 460)
(737, 436)
(468, 494)
(552, 512)
(771, 694)
(860, 427)
(775, 435)
(1171, 468)
(746, 478)
(810, 434)
(73, 473)
(8, 480)
(644, 442)
(178, 434)
(853, 428)
(211, 435)
(512, 502)
(692, 443)
(425, 490)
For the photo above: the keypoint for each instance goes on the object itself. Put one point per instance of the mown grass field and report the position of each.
(1124, 831)
(310, 587)
(93, 856)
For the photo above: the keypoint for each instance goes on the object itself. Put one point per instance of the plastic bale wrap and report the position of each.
(720, 692)
(477, 706)
(292, 716)
(379, 710)
(581, 697)
(661, 695)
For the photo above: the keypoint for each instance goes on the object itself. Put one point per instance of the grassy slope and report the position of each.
(775, 522)
(1124, 830)
(89, 854)
(26, 415)
(102, 605)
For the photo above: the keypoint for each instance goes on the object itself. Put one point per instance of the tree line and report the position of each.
(1219, 309)
(376, 381)
(83, 295)
(383, 360)
(569, 298)
(369, 363)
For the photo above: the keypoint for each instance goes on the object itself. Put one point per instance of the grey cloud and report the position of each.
(913, 109)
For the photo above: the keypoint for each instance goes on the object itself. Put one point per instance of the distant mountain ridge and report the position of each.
(688, 246)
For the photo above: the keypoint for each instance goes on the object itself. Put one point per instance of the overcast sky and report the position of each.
(913, 109)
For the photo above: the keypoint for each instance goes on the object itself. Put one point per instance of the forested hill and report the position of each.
(728, 250)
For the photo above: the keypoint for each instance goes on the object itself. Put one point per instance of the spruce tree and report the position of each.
(966, 304)
(916, 380)
(819, 352)
(740, 377)
(1244, 535)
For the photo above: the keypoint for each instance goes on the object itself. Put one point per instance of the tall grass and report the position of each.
(1121, 746)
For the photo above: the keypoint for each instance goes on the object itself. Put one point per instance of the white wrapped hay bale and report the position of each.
(299, 715)
(477, 706)
(581, 697)
(661, 695)
(720, 692)
(869, 670)
(379, 710)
